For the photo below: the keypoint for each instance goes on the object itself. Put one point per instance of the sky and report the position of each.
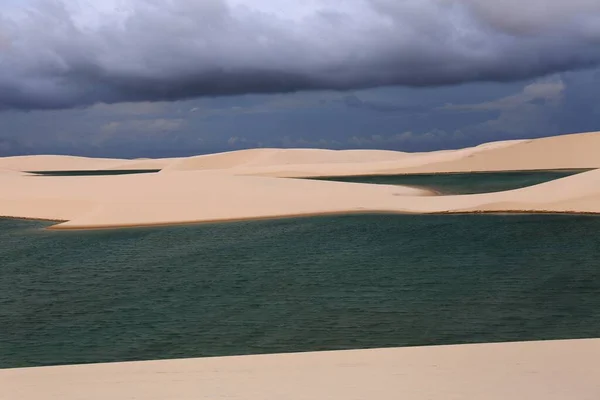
(152, 78)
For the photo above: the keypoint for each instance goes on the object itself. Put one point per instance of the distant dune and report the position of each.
(282, 158)
(560, 152)
(254, 183)
(53, 163)
(70, 163)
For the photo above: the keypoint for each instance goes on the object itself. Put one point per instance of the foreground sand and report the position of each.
(552, 370)
(254, 184)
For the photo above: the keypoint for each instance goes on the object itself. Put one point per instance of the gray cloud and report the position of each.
(354, 101)
(66, 53)
(539, 93)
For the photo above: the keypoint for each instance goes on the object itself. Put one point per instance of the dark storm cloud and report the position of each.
(354, 101)
(66, 53)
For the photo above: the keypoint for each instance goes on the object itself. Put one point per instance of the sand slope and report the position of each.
(560, 152)
(269, 159)
(66, 163)
(566, 151)
(54, 163)
(250, 184)
(318, 162)
(197, 196)
(552, 370)
(178, 197)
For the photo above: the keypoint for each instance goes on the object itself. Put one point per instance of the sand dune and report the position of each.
(222, 186)
(269, 158)
(182, 196)
(53, 163)
(203, 196)
(198, 196)
(318, 162)
(67, 163)
(143, 164)
(552, 370)
(560, 152)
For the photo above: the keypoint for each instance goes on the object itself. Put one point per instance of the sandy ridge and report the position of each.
(252, 184)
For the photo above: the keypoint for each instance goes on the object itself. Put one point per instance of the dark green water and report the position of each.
(294, 285)
(95, 172)
(464, 183)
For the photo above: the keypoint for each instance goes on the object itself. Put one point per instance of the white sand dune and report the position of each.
(222, 186)
(551, 370)
(55, 163)
(561, 152)
(284, 158)
(318, 162)
(183, 197)
(140, 164)
(73, 163)
(179, 197)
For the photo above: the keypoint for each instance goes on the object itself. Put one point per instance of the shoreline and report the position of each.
(292, 216)
(58, 221)
(316, 214)
(475, 172)
(263, 184)
(311, 352)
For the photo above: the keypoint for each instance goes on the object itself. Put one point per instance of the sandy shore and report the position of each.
(551, 370)
(252, 184)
